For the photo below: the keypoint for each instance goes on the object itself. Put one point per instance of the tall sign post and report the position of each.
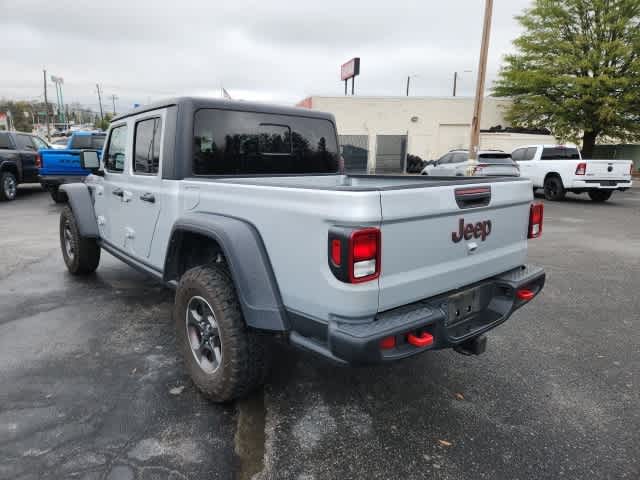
(348, 71)
(482, 70)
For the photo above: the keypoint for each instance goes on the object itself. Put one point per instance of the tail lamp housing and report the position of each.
(354, 254)
(38, 161)
(581, 169)
(536, 215)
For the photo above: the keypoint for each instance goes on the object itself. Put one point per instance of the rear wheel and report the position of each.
(600, 195)
(553, 189)
(8, 186)
(225, 359)
(80, 254)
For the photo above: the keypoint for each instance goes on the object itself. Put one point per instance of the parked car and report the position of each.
(489, 163)
(19, 161)
(242, 209)
(59, 143)
(60, 166)
(560, 168)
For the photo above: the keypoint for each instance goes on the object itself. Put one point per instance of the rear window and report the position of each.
(245, 143)
(496, 157)
(560, 153)
(5, 141)
(91, 142)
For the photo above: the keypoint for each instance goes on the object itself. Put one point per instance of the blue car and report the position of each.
(63, 166)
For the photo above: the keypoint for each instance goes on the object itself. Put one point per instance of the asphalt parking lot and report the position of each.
(91, 385)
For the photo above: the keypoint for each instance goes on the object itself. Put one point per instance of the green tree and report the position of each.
(104, 123)
(576, 70)
(21, 114)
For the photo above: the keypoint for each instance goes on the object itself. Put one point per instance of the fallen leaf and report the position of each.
(176, 390)
(445, 443)
(459, 396)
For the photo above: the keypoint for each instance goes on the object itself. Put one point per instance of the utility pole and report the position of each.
(100, 102)
(46, 105)
(482, 71)
(408, 81)
(455, 83)
(113, 99)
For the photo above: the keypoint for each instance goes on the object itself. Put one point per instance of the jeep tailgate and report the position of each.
(420, 257)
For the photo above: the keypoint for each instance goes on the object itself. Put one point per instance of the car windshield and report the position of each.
(495, 157)
(560, 153)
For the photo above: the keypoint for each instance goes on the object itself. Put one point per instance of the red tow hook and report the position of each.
(424, 340)
(525, 294)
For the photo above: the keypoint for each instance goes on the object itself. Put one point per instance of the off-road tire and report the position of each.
(554, 189)
(245, 356)
(86, 251)
(57, 195)
(4, 195)
(600, 196)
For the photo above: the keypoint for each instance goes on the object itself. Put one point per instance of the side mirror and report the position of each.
(90, 160)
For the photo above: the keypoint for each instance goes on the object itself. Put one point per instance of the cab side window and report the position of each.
(445, 159)
(39, 142)
(146, 146)
(518, 154)
(116, 150)
(530, 153)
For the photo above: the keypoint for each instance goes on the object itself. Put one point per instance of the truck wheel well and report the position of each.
(552, 174)
(10, 168)
(188, 250)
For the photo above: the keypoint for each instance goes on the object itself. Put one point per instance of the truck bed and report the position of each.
(416, 215)
(359, 182)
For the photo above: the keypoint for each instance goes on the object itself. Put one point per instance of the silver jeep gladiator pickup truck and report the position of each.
(243, 209)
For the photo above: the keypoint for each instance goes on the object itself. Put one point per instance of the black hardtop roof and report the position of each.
(195, 103)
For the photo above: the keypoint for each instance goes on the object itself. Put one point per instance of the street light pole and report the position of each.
(455, 83)
(482, 70)
(46, 106)
(408, 81)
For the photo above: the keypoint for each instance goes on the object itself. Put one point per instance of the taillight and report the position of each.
(581, 169)
(354, 255)
(536, 214)
(38, 161)
(479, 167)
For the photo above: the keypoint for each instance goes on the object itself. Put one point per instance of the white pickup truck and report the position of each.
(559, 169)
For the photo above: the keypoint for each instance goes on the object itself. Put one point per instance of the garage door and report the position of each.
(355, 151)
(391, 152)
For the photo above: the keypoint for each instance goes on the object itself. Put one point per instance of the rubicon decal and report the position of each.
(468, 231)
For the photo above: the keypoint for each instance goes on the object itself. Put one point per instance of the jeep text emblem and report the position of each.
(479, 230)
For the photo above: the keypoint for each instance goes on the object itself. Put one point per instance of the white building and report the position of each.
(377, 133)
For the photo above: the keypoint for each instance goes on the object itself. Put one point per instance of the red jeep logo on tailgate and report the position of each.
(479, 230)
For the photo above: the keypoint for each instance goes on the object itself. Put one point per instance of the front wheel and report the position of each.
(8, 186)
(554, 189)
(600, 195)
(80, 254)
(57, 195)
(225, 359)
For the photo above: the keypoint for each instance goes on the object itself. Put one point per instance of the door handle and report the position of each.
(118, 192)
(148, 197)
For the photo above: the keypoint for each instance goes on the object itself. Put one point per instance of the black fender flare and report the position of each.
(248, 262)
(82, 205)
(12, 163)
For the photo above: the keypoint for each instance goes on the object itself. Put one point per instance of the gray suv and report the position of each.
(489, 163)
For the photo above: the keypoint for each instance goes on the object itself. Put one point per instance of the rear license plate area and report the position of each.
(464, 305)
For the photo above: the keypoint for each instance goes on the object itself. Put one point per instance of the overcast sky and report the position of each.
(269, 50)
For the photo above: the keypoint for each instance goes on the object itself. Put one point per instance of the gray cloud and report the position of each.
(275, 50)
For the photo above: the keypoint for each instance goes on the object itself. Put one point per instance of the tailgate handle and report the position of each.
(473, 197)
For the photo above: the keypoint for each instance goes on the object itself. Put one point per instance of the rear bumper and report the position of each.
(357, 341)
(52, 181)
(600, 184)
